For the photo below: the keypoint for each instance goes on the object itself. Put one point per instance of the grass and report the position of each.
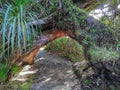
(15, 31)
(102, 54)
(4, 69)
(19, 85)
(15, 69)
(67, 47)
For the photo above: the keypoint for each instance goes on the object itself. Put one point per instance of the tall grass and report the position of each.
(15, 32)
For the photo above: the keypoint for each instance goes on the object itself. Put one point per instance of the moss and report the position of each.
(67, 47)
(15, 69)
(12, 85)
(112, 87)
(102, 54)
(19, 85)
(25, 86)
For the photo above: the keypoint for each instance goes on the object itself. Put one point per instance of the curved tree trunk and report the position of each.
(43, 40)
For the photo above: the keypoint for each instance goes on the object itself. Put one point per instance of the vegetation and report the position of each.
(4, 70)
(23, 21)
(16, 29)
(67, 47)
(102, 54)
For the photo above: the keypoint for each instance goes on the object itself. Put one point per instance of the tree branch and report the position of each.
(41, 21)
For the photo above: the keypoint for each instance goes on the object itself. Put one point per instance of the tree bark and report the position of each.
(43, 40)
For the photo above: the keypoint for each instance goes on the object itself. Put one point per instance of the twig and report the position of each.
(41, 21)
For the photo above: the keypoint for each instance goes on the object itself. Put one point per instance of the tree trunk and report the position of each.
(43, 40)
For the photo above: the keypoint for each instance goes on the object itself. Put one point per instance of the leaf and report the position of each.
(118, 45)
(13, 34)
(3, 71)
(4, 27)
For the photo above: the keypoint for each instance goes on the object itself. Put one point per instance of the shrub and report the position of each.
(15, 32)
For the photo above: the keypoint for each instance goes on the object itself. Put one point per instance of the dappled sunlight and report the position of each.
(55, 73)
(46, 80)
(118, 6)
(103, 10)
(24, 73)
(42, 48)
(60, 45)
(27, 70)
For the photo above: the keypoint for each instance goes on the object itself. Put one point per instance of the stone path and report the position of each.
(49, 72)
(54, 73)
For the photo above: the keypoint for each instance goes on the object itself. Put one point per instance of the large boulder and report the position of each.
(54, 73)
(102, 54)
(67, 47)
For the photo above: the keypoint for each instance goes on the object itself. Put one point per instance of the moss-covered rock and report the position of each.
(67, 47)
(102, 54)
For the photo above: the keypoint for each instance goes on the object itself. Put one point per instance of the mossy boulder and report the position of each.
(102, 54)
(67, 47)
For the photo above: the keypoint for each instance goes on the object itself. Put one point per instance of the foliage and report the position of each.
(73, 15)
(91, 5)
(3, 72)
(86, 82)
(113, 22)
(15, 69)
(15, 32)
(102, 54)
(104, 32)
(12, 85)
(19, 85)
(67, 47)
(7, 70)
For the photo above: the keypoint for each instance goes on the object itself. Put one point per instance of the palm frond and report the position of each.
(15, 30)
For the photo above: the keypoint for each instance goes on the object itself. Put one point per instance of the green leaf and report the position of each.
(3, 71)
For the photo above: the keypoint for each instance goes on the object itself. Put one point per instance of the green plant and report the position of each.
(86, 82)
(102, 54)
(3, 72)
(15, 69)
(67, 47)
(15, 32)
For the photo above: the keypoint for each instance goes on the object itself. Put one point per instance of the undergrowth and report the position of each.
(102, 54)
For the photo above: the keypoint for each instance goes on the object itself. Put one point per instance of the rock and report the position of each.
(82, 69)
(54, 73)
(102, 54)
(67, 47)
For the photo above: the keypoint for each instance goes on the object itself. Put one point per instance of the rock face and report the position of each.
(54, 73)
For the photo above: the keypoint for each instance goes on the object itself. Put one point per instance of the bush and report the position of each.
(16, 33)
